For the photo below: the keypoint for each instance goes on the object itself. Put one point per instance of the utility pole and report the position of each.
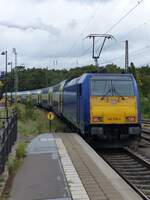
(95, 55)
(15, 73)
(126, 55)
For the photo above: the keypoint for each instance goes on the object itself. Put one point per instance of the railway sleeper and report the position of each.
(132, 169)
(143, 187)
(133, 163)
(136, 182)
(143, 173)
(137, 178)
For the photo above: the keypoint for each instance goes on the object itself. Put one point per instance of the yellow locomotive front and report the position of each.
(114, 112)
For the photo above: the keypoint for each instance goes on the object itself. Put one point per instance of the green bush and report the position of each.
(14, 162)
(13, 165)
(145, 107)
(20, 151)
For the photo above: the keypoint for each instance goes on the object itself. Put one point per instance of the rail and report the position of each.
(146, 121)
(133, 169)
(8, 136)
(146, 130)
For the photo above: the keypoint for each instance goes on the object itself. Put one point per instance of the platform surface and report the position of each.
(41, 176)
(63, 166)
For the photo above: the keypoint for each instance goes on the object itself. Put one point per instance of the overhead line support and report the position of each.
(96, 56)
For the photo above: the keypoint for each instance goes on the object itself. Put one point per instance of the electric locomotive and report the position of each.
(104, 106)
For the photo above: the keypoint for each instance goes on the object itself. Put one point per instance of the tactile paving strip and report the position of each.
(75, 185)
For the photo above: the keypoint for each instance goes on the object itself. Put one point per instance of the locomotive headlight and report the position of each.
(130, 119)
(97, 119)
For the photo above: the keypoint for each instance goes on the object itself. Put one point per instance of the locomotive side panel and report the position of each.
(70, 104)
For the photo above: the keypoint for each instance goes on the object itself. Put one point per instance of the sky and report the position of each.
(52, 33)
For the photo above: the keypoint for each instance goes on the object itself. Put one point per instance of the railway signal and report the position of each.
(50, 117)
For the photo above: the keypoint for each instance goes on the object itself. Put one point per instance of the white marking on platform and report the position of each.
(76, 187)
(46, 139)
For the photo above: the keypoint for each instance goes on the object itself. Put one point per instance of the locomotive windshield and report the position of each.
(112, 88)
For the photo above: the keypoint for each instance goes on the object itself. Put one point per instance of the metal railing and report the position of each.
(8, 136)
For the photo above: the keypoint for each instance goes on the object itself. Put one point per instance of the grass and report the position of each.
(14, 162)
(33, 121)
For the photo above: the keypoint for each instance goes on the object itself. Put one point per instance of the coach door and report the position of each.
(79, 93)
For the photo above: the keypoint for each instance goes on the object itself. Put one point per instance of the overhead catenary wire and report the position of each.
(86, 52)
(130, 31)
(120, 20)
(132, 53)
(124, 16)
(82, 32)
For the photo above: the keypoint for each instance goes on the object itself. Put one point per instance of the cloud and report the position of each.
(40, 26)
(90, 1)
(44, 30)
(72, 24)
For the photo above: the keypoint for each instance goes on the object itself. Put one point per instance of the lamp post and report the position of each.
(11, 88)
(4, 53)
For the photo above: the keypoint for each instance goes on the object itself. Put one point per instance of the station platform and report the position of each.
(62, 166)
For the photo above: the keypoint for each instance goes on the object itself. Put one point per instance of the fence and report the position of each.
(8, 136)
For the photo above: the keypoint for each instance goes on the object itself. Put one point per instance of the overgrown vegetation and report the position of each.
(33, 121)
(14, 162)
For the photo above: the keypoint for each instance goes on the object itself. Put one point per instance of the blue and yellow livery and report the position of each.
(104, 106)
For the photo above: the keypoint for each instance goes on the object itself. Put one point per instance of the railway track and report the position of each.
(146, 131)
(135, 170)
(146, 135)
(146, 122)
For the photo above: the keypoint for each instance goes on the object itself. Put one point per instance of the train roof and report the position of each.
(81, 79)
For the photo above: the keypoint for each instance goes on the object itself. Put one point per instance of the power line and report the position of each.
(130, 31)
(124, 16)
(82, 31)
(132, 53)
(110, 29)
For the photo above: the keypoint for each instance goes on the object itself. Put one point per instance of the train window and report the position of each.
(112, 88)
(101, 88)
(122, 88)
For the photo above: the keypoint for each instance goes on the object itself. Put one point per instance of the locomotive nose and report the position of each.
(113, 110)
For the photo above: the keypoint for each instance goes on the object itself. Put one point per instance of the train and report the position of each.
(105, 107)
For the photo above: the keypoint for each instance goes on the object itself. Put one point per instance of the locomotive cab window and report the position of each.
(112, 87)
(122, 88)
(100, 88)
